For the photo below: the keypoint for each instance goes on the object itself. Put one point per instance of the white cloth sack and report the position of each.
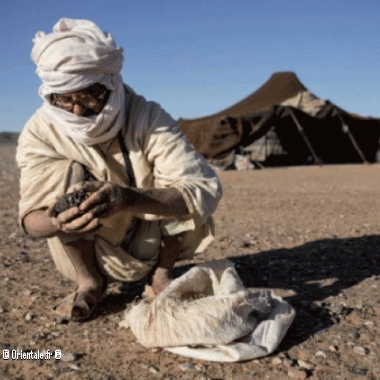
(208, 314)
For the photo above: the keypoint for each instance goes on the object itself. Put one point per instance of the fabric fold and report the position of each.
(208, 314)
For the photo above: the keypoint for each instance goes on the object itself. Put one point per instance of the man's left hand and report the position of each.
(105, 198)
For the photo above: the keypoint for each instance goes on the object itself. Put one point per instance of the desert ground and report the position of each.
(311, 234)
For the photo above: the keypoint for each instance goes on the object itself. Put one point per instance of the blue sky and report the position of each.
(198, 57)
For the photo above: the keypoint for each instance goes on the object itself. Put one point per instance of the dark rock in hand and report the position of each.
(70, 200)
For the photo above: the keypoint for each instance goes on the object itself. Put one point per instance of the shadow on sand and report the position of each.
(313, 271)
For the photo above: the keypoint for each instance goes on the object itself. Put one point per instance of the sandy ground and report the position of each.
(309, 233)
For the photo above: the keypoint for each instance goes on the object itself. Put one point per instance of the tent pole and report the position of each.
(302, 133)
(258, 156)
(346, 129)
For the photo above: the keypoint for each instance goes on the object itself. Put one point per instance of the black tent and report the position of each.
(332, 136)
(294, 126)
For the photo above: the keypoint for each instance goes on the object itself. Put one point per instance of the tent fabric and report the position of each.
(318, 131)
(212, 136)
(208, 314)
(331, 136)
(306, 102)
(280, 87)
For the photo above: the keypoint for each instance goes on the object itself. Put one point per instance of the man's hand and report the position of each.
(105, 198)
(73, 220)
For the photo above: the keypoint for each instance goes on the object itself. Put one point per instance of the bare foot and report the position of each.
(95, 290)
(79, 305)
(162, 275)
(160, 280)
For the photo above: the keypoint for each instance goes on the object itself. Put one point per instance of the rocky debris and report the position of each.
(70, 200)
(67, 357)
(305, 364)
(73, 367)
(23, 257)
(361, 350)
(297, 374)
(186, 366)
(309, 234)
(153, 369)
(276, 361)
(334, 348)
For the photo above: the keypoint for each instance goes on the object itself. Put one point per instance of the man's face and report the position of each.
(87, 102)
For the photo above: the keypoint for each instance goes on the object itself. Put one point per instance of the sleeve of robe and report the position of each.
(157, 146)
(159, 152)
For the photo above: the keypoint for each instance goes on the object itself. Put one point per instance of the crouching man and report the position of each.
(149, 196)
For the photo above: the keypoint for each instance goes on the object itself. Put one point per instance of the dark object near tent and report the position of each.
(294, 127)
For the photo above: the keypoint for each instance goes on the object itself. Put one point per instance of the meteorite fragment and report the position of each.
(70, 200)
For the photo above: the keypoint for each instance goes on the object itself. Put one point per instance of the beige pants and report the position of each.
(132, 259)
(120, 265)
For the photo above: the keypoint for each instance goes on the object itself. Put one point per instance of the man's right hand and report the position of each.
(73, 220)
(44, 223)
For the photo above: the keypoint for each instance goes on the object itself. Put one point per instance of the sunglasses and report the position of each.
(90, 98)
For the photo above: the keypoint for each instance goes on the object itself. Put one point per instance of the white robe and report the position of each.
(160, 157)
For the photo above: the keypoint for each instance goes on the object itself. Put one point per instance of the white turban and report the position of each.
(76, 55)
